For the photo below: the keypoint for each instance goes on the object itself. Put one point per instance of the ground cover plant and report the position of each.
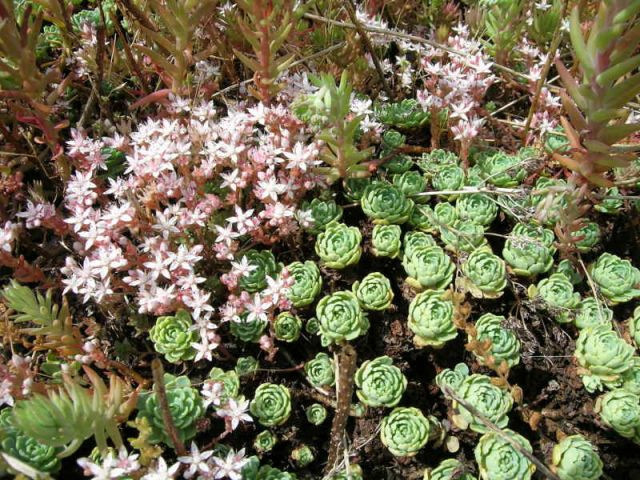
(278, 240)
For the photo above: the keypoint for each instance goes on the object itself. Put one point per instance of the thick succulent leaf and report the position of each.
(610, 75)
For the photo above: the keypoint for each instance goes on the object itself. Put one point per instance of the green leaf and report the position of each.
(610, 75)
(623, 92)
(614, 133)
(579, 46)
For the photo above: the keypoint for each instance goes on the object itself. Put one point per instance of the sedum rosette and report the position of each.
(422, 218)
(491, 401)
(502, 169)
(591, 312)
(405, 431)
(265, 441)
(271, 404)
(505, 346)
(307, 283)
(339, 246)
(323, 212)
(247, 330)
(620, 410)
(431, 319)
(302, 455)
(385, 240)
(173, 337)
(634, 326)
(341, 318)
(589, 236)
(413, 239)
(452, 378)
(477, 208)
(431, 162)
(316, 413)
(386, 204)
(264, 265)
(498, 460)
(246, 366)
(380, 383)
(374, 292)
(485, 274)
(558, 295)
(617, 279)
(428, 267)
(320, 371)
(445, 213)
(528, 250)
(575, 458)
(449, 469)
(631, 378)
(566, 268)
(449, 177)
(463, 236)
(354, 188)
(229, 381)
(410, 183)
(287, 327)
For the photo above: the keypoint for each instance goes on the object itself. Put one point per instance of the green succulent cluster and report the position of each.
(230, 383)
(502, 169)
(410, 182)
(265, 441)
(589, 236)
(445, 213)
(485, 274)
(612, 203)
(406, 114)
(557, 293)
(320, 371)
(380, 383)
(505, 346)
(287, 327)
(386, 204)
(339, 246)
(431, 319)
(264, 264)
(323, 212)
(354, 188)
(566, 268)
(575, 458)
(499, 460)
(185, 406)
(449, 178)
(620, 410)
(246, 366)
(551, 200)
(302, 456)
(341, 318)
(173, 337)
(271, 404)
(591, 312)
(385, 240)
(247, 330)
(428, 267)
(617, 279)
(405, 431)
(529, 250)
(374, 292)
(634, 326)
(477, 208)
(354, 473)
(449, 469)
(556, 141)
(413, 240)
(431, 162)
(307, 283)
(463, 236)
(316, 413)
(452, 378)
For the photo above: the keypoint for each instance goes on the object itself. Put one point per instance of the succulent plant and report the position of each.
(354, 472)
(575, 458)
(323, 213)
(505, 346)
(555, 141)
(339, 246)
(603, 355)
(591, 312)
(452, 378)
(422, 218)
(386, 204)
(302, 455)
(449, 178)
(374, 292)
(477, 208)
(341, 318)
(620, 410)
(385, 240)
(405, 431)
(566, 268)
(449, 469)
(287, 327)
(485, 274)
(551, 200)
(410, 182)
(307, 283)
(428, 267)
(502, 169)
(230, 383)
(265, 441)
(265, 266)
(589, 234)
(528, 253)
(431, 319)
(433, 161)
(391, 140)
(320, 371)
(267, 472)
(498, 460)
(463, 236)
(634, 326)
(491, 401)
(612, 203)
(616, 278)
(631, 377)
(173, 337)
(354, 188)
(246, 366)
(316, 413)
(312, 327)
(185, 406)
(557, 293)
(406, 114)
(445, 213)
(248, 330)
(415, 239)
(271, 404)
(398, 164)
(380, 383)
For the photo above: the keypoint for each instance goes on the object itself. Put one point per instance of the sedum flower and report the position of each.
(591, 313)
(485, 274)
(307, 283)
(410, 183)
(557, 293)
(302, 456)
(452, 378)
(385, 240)
(262, 265)
(248, 330)
(491, 401)
(405, 431)
(445, 213)
(589, 236)
(477, 208)
(320, 371)
(265, 441)
(527, 251)
(374, 292)
(428, 267)
(172, 336)
(323, 212)
(634, 326)
(339, 246)
(575, 458)
(271, 404)
(620, 410)
(341, 318)
(386, 204)
(431, 319)
(502, 169)
(498, 460)
(504, 347)
(316, 413)
(616, 278)
(462, 236)
(449, 177)
(449, 469)
(287, 327)
(380, 383)
(603, 355)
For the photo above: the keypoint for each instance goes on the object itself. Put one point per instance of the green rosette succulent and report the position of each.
(185, 405)
(398, 164)
(374, 292)
(354, 188)
(502, 170)
(505, 346)
(616, 278)
(316, 413)
(230, 383)
(271, 404)
(620, 410)
(385, 240)
(445, 213)
(485, 274)
(307, 283)
(323, 213)
(612, 203)
(589, 236)
(302, 456)
(320, 371)
(410, 183)
(414, 239)
(422, 218)
(341, 318)
(448, 178)
(431, 319)
(339, 246)
(631, 378)
(380, 383)
(634, 326)
(430, 163)
(312, 327)
(265, 266)
(557, 293)
(463, 236)
(428, 267)
(172, 336)
(386, 204)
(405, 431)
(391, 140)
(591, 313)
(526, 253)
(551, 201)
(406, 114)
(449, 469)
(477, 208)
(555, 141)
(575, 458)
(354, 473)
(566, 268)
(246, 330)
(267, 472)
(498, 460)
(452, 378)
(265, 441)
(287, 327)
(246, 366)
(603, 355)
(491, 401)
